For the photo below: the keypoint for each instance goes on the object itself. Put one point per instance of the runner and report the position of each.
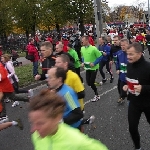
(72, 114)
(74, 55)
(72, 78)
(138, 87)
(121, 69)
(48, 108)
(13, 78)
(75, 83)
(49, 59)
(91, 58)
(105, 50)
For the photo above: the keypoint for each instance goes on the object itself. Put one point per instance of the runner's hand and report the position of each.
(118, 71)
(82, 65)
(138, 88)
(37, 77)
(111, 62)
(125, 88)
(92, 64)
(104, 54)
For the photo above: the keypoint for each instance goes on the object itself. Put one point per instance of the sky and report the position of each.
(113, 3)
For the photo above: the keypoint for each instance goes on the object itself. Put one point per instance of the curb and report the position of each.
(34, 85)
(39, 83)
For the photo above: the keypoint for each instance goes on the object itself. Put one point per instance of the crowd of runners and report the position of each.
(63, 101)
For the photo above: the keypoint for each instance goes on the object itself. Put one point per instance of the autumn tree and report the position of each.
(123, 13)
(27, 14)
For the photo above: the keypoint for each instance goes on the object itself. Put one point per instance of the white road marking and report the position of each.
(102, 94)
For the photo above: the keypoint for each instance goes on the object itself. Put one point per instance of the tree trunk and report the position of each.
(27, 34)
(81, 27)
(48, 29)
(33, 30)
(58, 31)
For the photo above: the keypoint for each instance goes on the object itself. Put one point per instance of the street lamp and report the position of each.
(98, 16)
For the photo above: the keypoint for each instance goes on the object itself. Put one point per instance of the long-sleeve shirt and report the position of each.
(121, 65)
(11, 72)
(66, 138)
(105, 48)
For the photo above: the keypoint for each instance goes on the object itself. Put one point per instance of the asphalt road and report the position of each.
(111, 121)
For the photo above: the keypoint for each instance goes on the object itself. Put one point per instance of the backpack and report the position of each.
(29, 57)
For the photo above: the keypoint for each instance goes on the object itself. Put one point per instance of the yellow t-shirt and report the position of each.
(75, 83)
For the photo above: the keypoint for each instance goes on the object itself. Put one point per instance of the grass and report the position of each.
(24, 74)
(22, 54)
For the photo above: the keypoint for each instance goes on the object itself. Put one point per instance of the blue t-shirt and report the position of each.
(71, 100)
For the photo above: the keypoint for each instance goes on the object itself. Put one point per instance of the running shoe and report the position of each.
(4, 119)
(16, 103)
(111, 80)
(91, 119)
(98, 83)
(7, 100)
(30, 93)
(96, 98)
(104, 80)
(120, 100)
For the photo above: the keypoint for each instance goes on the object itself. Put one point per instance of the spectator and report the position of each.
(33, 55)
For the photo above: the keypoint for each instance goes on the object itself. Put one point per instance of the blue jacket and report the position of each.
(121, 65)
(71, 100)
(105, 48)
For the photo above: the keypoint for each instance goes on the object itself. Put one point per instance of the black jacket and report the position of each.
(113, 50)
(46, 65)
(139, 73)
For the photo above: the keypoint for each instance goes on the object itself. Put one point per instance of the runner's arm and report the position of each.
(74, 116)
(81, 94)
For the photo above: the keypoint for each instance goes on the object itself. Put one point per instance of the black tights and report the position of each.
(17, 90)
(122, 93)
(78, 72)
(14, 97)
(102, 64)
(134, 114)
(90, 79)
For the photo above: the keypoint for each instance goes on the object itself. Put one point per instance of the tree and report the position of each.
(5, 19)
(123, 13)
(105, 11)
(81, 11)
(26, 15)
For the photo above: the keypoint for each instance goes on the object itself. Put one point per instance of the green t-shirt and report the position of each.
(74, 54)
(90, 54)
(66, 138)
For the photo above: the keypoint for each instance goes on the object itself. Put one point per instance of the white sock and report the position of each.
(139, 149)
(14, 123)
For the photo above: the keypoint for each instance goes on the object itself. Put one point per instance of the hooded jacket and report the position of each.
(32, 50)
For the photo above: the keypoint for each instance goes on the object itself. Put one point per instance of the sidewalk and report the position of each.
(24, 60)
